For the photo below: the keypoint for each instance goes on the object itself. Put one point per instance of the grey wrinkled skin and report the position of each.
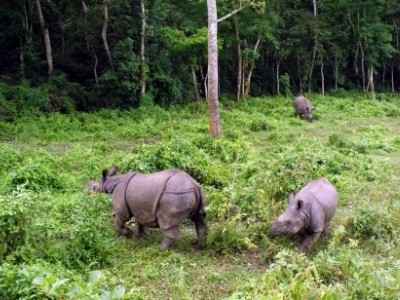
(303, 108)
(309, 213)
(163, 199)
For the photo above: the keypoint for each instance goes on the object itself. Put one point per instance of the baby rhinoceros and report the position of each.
(309, 214)
(163, 199)
(303, 108)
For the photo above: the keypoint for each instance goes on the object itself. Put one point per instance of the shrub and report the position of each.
(37, 175)
(78, 234)
(46, 281)
(16, 215)
(229, 237)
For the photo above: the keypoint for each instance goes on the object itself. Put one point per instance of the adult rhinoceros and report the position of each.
(163, 199)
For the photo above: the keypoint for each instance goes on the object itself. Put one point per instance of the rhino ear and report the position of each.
(291, 197)
(113, 171)
(300, 204)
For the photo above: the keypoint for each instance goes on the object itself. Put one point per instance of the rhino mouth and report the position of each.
(276, 231)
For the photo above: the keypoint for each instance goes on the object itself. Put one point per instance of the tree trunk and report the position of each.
(46, 37)
(362, 68)
(355, 64)
(278, 86)
(239, 64)
(371, 84)
(62, 26)
(142, 49)
(384, 73)
(251, 68)
(195, 88)
(243, 77)
(104, 35)
(315, 7)
(299, 75)
(322, 79)
(392, 78)
(213, 101)
(89, 44)
(95, 65)
(336, 72)
(312, 68)
(21, 56)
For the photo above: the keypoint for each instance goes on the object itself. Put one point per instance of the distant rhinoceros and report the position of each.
(303, 108)
(162, 199)
(309, 213)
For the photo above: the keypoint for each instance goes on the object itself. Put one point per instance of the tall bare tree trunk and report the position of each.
(95, 65)
(104, 35)
(299, 75)
(204, 80)
(392, 78)
(322, 79)
(315, 8)
(46, 37)
(362, 68)
(384, 73)
(371, 84)
(213, 101)
(336, 72)
(62, 27)
(142, 49)
(21, 56)
(239, 64)
(89, 44)
(195, 88)
(315, 12)
(278, 86)
(251, 68)
(312, 67)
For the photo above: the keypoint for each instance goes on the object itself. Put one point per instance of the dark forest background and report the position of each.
(268, 48)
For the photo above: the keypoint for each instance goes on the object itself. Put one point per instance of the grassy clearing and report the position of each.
(56, 242)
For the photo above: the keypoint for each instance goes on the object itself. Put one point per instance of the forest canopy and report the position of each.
(88, 54)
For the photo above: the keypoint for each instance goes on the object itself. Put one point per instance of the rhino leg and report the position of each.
(309, 241)
(120, 221)
(201, 229)
(140, 231)
(170, 235)
(326, 233)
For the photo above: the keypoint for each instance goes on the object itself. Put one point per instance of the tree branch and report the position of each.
(231, 13)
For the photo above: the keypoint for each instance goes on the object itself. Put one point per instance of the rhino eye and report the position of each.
(288, 222)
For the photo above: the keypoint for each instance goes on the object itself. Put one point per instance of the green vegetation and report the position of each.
(57, 242)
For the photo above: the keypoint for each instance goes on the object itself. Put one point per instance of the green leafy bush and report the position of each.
(36, 176)
(15, 220)
(46, 281)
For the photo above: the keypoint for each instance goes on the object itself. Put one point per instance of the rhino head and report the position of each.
(307, 114)
(101, 186)
(292, 220)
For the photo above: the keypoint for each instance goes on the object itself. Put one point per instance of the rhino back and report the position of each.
(143, 193)
(167, 191)
(323, 192)
(301, 104)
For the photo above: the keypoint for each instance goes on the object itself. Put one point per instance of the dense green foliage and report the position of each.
(57, 242)
(340, 46)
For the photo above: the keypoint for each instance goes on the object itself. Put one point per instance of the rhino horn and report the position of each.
(291, 197)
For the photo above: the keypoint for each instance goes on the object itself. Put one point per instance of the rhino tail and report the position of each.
(202, 201)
